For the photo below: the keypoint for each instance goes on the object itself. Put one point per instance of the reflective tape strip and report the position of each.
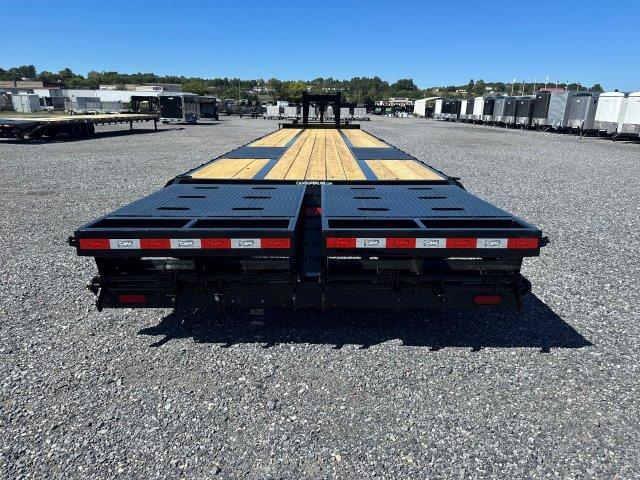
(419, 243)
(182, 243)
(371, 242)
(431, 242)
(178, 243)
(124, 243)
(245, 243)
(492, 243)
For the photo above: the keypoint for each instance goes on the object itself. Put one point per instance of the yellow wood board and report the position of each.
(276, 139)
(401, 170)
(231, 168)
(317, 154)
(360, 138)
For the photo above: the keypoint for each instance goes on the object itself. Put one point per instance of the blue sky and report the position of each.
(435, 43)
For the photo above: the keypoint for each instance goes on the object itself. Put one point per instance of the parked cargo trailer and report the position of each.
(631, 122)
(487, 109)
(179, 107)
(463, 110)
(25, 103)
(498, 110)
(610, 111)
(451, 109)
(312, 217)
(582, 111)
(524, 110)
(437, 109)
(510, 111)
(551, 109)
(478, 108)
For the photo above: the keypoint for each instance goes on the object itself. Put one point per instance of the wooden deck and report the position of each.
(320, 155)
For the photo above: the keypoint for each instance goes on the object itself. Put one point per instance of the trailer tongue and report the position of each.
(310, 217)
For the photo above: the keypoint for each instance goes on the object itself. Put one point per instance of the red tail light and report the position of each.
(132, 299)
(487, 299)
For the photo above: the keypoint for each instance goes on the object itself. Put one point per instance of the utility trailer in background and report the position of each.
(630, 125)
(478, 108)
(582, 112)
(510, 111)
(463, 110)
(179, 107)
(487, 109)
(551, 109)
(67, 126)
(524, 110)
(314, 215)
(610, 112)
(498, 110)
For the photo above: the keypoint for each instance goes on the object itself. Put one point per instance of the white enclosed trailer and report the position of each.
(463, 110)
(291, 112)
(345, 113)
(610, 111)
(478, 108)
(437, 109)
(273, 111)
(631, 122)
(25, 102)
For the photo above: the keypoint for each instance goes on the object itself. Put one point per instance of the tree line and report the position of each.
(365, 90)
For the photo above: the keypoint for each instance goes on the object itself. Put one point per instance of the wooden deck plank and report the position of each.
(299, 167)
(423, 171)
(349, 164)
(360, 138)
(335, 169)
(276, 139)
(223, 168)
(381, 171)
(252, 169)
(401, 170)
(281, 168)
(317, 169)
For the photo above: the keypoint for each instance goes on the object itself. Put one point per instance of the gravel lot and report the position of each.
(551, 392)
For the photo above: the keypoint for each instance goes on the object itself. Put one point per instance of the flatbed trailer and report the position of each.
(70, 126)
(310, 216)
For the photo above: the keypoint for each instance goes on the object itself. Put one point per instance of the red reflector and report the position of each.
(401, 243)
(333, 242)
(487, 299)
(131, 298)
(462, 243)
(522, 243)
(94, 244)
(313, 211)
(275, 243)
(155, 243)
(215, 243)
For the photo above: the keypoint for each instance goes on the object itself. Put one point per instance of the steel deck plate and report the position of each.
(404, 201)
(380, 153)
(224, 200)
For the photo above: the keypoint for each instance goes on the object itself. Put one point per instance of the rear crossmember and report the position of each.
(292, 245)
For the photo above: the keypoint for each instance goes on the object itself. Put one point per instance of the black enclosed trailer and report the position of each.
(498, 110)
(487, 109)
(510, 111)
(451, 109)
(179, 107)
(310, 216)
(209, 107)
(524, 110)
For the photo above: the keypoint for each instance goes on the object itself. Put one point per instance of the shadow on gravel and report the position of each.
(537, 326)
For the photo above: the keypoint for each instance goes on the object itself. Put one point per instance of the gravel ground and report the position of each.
(551, 392)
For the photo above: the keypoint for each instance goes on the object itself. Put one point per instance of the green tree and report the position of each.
(480, 88)
(471, 87)
(196, 86)
(597, 88)
(404, 84)
(294, 91)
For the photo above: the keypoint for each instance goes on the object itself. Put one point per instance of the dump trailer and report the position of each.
(67, 126)
(310, 216)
